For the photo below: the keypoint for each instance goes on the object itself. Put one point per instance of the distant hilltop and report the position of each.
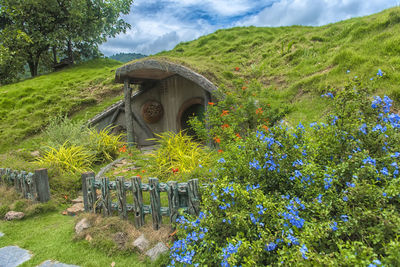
(126, 57)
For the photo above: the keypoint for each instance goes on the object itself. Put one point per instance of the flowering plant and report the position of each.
(323, 194)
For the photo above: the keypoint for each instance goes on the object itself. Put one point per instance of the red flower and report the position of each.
(238, 136)
(211, 103)
(224, 112)
(237, 68)
(220, 151)
(217, 140)
(225, 126)
(259, 111)
(122, 149)
(175, 170)
(265, 128)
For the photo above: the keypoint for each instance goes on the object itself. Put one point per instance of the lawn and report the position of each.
(50, 236)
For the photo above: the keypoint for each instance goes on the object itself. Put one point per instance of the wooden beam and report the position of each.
(128, 113)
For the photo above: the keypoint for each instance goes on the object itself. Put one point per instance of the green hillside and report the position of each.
(27, 106)
(295, 65)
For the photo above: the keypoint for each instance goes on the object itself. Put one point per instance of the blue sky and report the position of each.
(159, 25)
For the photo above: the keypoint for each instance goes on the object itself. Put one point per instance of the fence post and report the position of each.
(91, 193)
(155, 203)
(173, 201)
(137, 201)
(84, 189)
(42, 185)
(193, 197)
(31, 186)
(105, 197)
(121, 195)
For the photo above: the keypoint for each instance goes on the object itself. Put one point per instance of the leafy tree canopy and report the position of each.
(69, 28)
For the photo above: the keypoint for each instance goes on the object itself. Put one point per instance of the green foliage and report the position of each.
(104, 144)
(179, 157)
(67, 159)
(324, 194)
(62, 129)
(3, 210)
(66, 25)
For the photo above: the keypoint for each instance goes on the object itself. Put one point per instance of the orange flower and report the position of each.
(259, 111)
(237, 68)
(143, 171)
(66, 197)
(244, 88)
(122, 149)
(217, 140)
(224, 112)
(175, 170)
(225, 126)
(265, 127)
(139, 176)
(238, 136)
(211, 103)
(220, 151)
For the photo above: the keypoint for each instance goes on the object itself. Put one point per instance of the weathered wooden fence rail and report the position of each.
(34, 186)
(97, 198)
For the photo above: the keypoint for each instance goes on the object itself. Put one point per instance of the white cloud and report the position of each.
(159, 25)
(314, 12)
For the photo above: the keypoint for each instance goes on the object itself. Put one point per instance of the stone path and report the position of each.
(13, 256)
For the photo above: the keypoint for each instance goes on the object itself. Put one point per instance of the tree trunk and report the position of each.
(33, 63)
(70, 53)
(54, 55)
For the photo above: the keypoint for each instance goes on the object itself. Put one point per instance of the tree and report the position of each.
(61, 25)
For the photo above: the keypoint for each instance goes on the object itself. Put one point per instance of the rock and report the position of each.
(35, 153)
(13, 256)
(1, 234)
(14, 215)
(157, 250)
(88, 238)
(78, 200)
(141, 243)
(75, 209)
(50, 263)
(82, 225)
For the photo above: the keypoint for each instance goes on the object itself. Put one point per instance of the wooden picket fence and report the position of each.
(34, 186)
(180, 196)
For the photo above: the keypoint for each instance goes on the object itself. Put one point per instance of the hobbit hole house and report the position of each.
(159, 96)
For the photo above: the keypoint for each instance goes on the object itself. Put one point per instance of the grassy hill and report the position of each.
(27, 106)
(294, 64)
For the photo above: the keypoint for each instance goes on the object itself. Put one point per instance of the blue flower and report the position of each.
(348, 71)
(334, 226)
(379, 73)
(345, 198)
(221, 160)
(385, 171)
(344, 217)
(363, 128)
(350, 184)
(270, 247)
(304, 250)
(319, 198)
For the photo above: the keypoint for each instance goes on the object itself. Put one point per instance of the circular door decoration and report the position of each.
(152, 111)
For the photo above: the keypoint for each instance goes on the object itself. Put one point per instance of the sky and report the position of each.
(159, 25)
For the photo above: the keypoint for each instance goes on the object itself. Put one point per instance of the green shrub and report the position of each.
(179, 157)
(104, 144)
(66, 159)
(3, 211)
(325, 194)
(62, 129)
